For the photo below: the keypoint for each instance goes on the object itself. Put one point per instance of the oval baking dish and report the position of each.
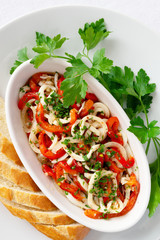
(33, 166)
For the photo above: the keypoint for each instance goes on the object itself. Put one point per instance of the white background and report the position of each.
(145, 11)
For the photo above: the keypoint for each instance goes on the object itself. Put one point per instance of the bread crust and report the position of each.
(35, 216)
(9, 151)
(50, 231)
(24, 197)
(74, 231)
(16, 175)
(64, 232)
(3, 124)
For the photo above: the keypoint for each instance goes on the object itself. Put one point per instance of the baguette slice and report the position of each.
(3, 124)
(16, 174)
(37, 216)
(7, 148)
(19, 195)
(64, 232)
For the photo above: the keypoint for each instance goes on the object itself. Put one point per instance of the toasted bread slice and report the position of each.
(12, 192)
(16, 174)
(37, 216)
(3, 124)
(7, 148)
(73, 231)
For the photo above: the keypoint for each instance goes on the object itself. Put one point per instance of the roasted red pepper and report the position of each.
(44, 150)
(87, 106)
(34, 80)
(60, 80)
(53, 128)
(49, 171)
(113, 133)
(91, 96)
(26, 97)
(112, 165)
(72, 169)
(73, 190)
(125, 163)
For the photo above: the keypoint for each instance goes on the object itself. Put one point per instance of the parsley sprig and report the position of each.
(133, 92)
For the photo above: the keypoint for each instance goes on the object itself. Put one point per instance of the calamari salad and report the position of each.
(81, 147)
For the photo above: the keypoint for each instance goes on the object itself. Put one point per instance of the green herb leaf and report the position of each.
(39, 59)
(45, 47)
(22, 57)
(60, 179)
(143, 132)
(100, 62)
(78, 68)
(74, 90)
(139, 129)
(93, 33)
(155, 195)
(142, 85)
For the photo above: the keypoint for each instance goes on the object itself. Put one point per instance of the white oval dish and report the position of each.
(33, 166)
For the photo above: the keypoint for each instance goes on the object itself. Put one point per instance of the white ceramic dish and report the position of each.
(139, 48)
(33, 166)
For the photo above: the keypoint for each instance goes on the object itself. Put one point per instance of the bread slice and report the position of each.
(16, 174)
(22, 197)
(7, 148)
(37, 216)
(73, 231)
(3, 124)
(12, 192)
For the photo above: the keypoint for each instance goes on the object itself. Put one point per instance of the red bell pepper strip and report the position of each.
(113, 167)
(60, 80)
(72, 169)
(73, 190)
(87, 106)
(78, 166)
(53, 128)
(49, 171)
(73, 114)
(120, 195)
(26, 97)
(113, 124)
(125, 163)
(91, 96)
(34, 80)
(75, 106)
(44, 150)
(47, 141)
(133, 182)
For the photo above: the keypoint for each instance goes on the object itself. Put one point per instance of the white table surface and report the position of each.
(145, 11)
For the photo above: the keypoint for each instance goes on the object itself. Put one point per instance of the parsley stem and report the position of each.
(144, 109)
(148, 144)
(54, 56)
(86, 55)
(154, 141)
